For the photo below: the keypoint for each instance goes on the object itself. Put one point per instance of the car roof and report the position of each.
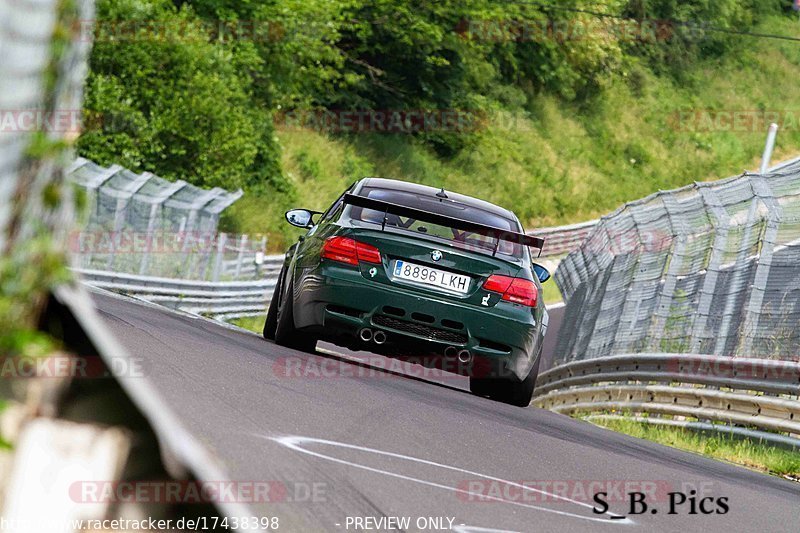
(425, 190)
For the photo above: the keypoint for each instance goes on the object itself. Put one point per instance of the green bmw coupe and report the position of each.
(417, 273)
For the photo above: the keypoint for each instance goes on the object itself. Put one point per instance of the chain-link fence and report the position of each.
(123, 200)
(143, 224)
(711, 268)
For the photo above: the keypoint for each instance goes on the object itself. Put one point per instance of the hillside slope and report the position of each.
(556, 162)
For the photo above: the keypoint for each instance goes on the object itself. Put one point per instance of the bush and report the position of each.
(175, 104)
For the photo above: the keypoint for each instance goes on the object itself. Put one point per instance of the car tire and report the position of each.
(508, 390)
(285, 332)
(271, 323)
(520, 393)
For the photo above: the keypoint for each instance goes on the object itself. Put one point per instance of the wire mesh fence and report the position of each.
(711, 268)
(143, 224)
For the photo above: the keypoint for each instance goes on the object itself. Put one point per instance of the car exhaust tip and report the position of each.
(379, 337)
(365, 334)
(450, 352)
(464, 356)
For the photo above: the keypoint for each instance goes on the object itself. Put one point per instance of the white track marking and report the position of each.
(296, 443)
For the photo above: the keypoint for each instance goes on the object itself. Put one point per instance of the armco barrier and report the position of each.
(220, 300)
(734, 394)
(710, 267)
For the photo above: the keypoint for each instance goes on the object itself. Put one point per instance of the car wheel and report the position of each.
(271, 323)
(285, 332)
(520, 393)
(507, 390)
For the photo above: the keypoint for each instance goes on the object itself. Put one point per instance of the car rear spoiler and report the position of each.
(443, 220)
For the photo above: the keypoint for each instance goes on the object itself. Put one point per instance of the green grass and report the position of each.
(776, 461)
(550, 292)
(252, 323)
(559, 162)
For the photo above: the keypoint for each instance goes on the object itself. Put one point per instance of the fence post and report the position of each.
(119, 221)
(151, 225)
(767, 155)
(240, 257)
(221, 239)
(738, 281)
(753, 309)
(720, 221)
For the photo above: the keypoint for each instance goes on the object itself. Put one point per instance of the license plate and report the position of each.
(431, 276)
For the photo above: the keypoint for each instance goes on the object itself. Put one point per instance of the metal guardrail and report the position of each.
(220, 300)
(733, 394)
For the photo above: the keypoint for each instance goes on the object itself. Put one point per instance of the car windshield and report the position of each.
(461, 239)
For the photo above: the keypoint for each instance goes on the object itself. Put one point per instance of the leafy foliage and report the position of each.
(173, 102)
(200, 103)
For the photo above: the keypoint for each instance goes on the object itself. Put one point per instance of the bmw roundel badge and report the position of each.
(436, 255)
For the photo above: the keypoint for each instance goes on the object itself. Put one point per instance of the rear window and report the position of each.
(461, 239)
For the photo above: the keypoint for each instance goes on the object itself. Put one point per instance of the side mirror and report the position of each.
(541, 272)
(302, 218)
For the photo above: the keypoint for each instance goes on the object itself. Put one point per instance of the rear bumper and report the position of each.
(335, 302)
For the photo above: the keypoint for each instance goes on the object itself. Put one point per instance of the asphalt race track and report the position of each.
(344, 443)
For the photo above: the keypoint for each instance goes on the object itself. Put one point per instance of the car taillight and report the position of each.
(516, 290)
(346, 250)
